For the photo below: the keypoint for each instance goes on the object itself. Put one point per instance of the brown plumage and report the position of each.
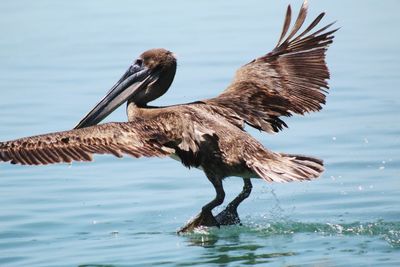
(290, 79)
(208, 134)
(137, 140)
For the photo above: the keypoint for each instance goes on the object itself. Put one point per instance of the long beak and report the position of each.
(130, 84)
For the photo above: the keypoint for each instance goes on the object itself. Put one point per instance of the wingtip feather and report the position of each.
(286, 24)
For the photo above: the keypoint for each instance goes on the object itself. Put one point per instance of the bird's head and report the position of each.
(148, 78)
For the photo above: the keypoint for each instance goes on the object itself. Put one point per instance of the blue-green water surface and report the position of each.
(57, 58)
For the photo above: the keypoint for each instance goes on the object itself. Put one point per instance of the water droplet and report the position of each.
(334, 138)
(114, 233)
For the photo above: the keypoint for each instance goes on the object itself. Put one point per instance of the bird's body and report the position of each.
(207, 134)
(214, 144)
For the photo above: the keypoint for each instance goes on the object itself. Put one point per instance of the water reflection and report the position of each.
(232, 244)
(258, 244)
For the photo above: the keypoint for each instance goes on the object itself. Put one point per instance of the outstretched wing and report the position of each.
(164, 133)
(290, 79)
(135, 139)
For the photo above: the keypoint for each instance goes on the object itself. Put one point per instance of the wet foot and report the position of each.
(228, 216)
(204, 218)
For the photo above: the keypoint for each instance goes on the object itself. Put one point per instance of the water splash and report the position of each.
(388, 231)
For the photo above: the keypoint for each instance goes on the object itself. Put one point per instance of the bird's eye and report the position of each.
(139, 62)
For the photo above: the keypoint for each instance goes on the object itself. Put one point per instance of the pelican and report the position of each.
(207, 134)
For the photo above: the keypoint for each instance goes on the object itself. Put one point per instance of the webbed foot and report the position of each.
(204, 218)
(229, 216)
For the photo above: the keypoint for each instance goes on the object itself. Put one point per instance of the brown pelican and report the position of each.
(207, 134)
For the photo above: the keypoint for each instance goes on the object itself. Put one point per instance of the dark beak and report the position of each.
(135, 79)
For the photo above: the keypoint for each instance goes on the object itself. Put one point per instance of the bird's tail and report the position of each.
(283, 168)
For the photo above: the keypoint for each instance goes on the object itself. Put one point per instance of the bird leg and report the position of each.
(230, 216)
(205, 217)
